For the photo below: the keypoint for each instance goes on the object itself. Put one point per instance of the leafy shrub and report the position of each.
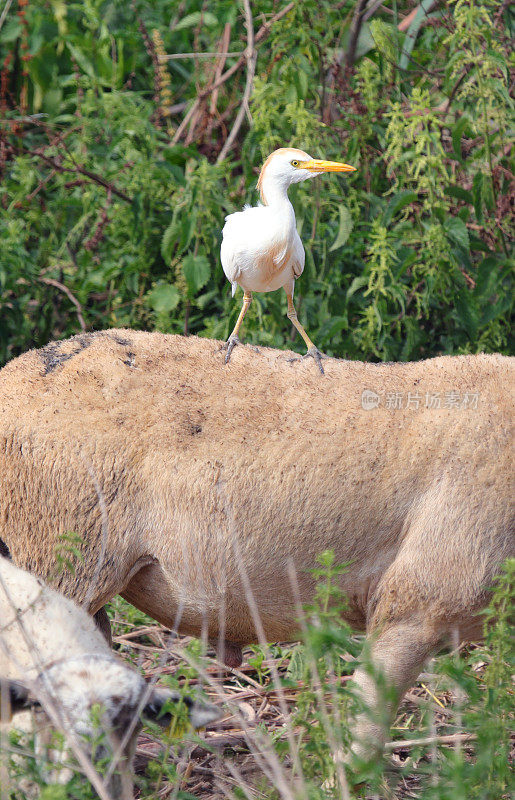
(111, 214)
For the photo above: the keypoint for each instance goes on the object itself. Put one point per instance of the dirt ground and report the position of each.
(225, 755)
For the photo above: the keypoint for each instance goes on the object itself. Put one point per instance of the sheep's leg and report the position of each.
(104, 625)
(227, 652)
(150, 591)
(396, 658)
(437, 583)
(233, 339)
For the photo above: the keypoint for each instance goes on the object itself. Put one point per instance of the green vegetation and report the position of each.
(112, 201)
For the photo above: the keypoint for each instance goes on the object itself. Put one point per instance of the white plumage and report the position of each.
(261, 250)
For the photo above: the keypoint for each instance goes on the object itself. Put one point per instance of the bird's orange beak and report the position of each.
(327, 166)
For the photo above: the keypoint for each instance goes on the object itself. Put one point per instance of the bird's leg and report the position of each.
(233, 339)
(313, 351)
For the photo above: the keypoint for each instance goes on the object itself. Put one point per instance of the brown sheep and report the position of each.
(218, 477)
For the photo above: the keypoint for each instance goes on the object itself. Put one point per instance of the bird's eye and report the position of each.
(295, 163)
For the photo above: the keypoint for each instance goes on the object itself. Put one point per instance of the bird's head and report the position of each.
(289, 165)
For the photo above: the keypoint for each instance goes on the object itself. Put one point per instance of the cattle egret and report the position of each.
(261, 249)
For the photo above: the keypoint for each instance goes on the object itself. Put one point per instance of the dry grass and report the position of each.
(231, 753)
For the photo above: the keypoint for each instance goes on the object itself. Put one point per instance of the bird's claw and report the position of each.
(230, 344)
(315, 353)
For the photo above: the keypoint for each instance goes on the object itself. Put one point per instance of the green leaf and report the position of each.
(193, 19)
(187, 226)
(301, 83)
(499, 90)
(11, 31)
(297, 667)
(499, 60)
(337, 325)
(54, 792)
(477, 188)
(459, 193)
(477, 244)
(344, 229)
(40, 69)
(81, 60)
(488, 193)
(398, 202)
(196, 271)
(496, 310)
(164, 298)
(457, 133)
(467, 313)
(168, 241)
(357, 283)
(487, 276)
(457, 232)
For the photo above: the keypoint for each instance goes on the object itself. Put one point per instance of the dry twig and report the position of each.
(251, 57)
(59, 167)
(69, 295)
(260, 35)
(451, 738)
(357, 21)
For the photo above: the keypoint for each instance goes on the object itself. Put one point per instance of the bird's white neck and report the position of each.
(274, 190)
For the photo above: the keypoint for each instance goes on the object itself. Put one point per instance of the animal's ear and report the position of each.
(18, 696)
(159, 709)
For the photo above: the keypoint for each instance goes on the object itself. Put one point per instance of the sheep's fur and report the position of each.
(53, 648)
(217, 477)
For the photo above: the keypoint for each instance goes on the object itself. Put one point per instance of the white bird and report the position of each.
(261, 250)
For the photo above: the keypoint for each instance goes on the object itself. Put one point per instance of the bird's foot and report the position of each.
(230, 344)
(315, 353)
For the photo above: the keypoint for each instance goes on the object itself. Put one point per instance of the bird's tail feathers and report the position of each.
(234, 287)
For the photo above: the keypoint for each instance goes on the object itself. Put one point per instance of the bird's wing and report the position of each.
(280, 256)
(242, 238)
(230, 264)
(298, 256)
(229, 250)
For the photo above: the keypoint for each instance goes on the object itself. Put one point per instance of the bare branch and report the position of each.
(260, 35)
(224, 44)
(265, 28)
(371, 9)
(77, 168)
(69, 295)
(251, 56)
(5, 11)
(178, 56)
(184, 124)
(406, 22)
(355, 28)
(451, 738)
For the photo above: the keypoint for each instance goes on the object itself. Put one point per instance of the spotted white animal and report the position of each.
(261, 249)
(54, 659)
